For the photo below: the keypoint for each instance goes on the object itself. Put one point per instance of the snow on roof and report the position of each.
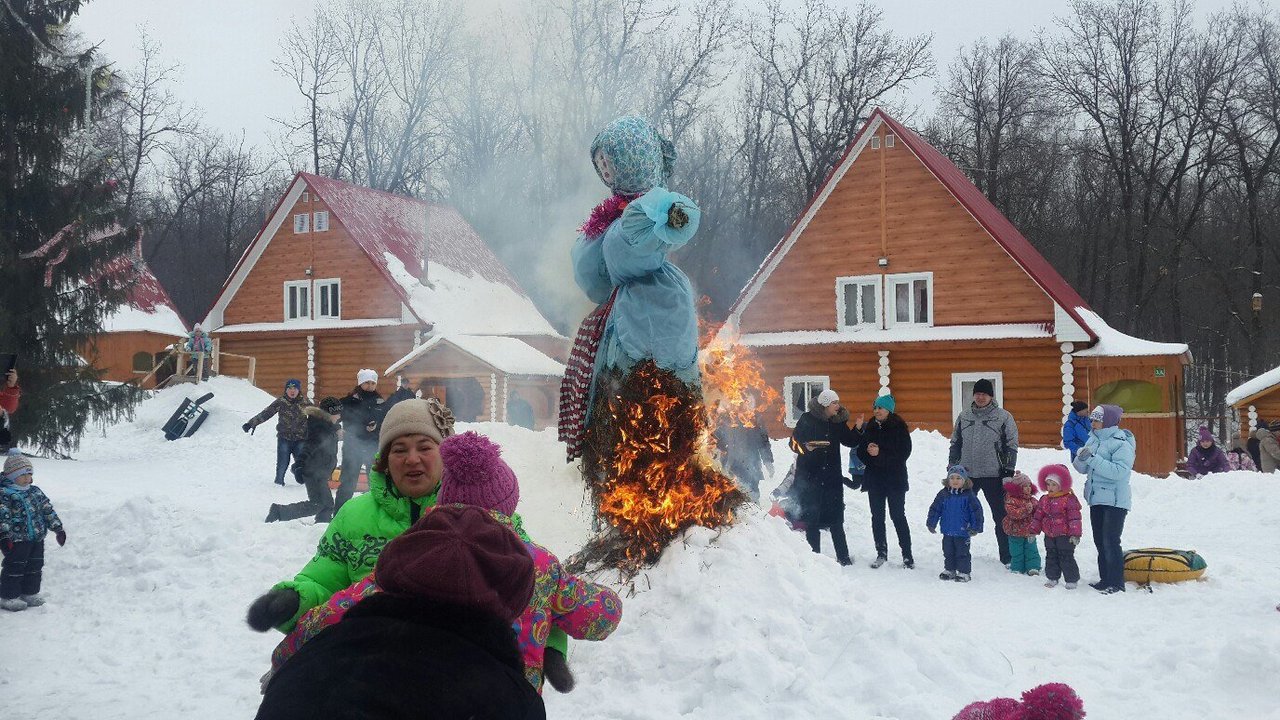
(148, 307)
(316, 324)
(506, 354)
(473, 291)
(899, 334)
(1113, 343)
(1262, 383)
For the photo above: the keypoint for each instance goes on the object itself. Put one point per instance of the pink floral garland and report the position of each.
(603, 215)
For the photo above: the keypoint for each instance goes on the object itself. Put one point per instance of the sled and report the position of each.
(1162, 565)
(187, 419)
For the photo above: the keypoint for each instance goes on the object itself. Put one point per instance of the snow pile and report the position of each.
(161, 319)
(1252, 387)
(509, 355)
(167, 548)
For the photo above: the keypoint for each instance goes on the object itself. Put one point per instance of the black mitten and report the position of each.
(273, 608)
(555, 668)
(853, 484)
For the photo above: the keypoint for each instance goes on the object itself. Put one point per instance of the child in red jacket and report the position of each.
(1057, 515)
(1019, 505)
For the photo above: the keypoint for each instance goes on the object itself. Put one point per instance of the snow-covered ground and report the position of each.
(167, 548)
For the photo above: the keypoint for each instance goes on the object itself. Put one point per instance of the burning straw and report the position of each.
(649, 470)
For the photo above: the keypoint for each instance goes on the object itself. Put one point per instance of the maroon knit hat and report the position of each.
(474, 474)
(461, 556)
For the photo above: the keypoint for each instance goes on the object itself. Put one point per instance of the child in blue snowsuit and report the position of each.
(26, 516)
(960, 514)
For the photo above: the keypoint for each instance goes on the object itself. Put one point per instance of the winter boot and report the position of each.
(1098, 585)
(1033, 572)
(32, 600)
(962, 577)
(1053, 583)
(946, 575)
(13, 604)
(880, 560)
(908, 563)
(846, 562)
(1111, 590)
(1071, 586)
(273, 513)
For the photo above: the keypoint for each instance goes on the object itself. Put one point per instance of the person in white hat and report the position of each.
(819, 433)
(362, 413)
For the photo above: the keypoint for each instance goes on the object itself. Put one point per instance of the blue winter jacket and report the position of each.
(1075, 433)
(958, 510)
(653, 315)
(25, 515)
(1108, 466)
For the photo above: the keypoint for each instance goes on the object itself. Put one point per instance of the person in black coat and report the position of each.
(315, 464)
(437, 642)
(884, 444)
(362, 413)
(816, 440)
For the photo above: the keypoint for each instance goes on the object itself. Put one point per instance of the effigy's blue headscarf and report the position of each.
(632, 157)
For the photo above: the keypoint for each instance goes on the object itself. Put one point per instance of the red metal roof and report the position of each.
(972, 199)
(145, 291)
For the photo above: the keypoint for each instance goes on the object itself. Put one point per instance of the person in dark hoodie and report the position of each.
(291, 426)
(362, 413)
(1076, 427)
(884, 446)
(315, 465)
(437, 642)
(819, 433)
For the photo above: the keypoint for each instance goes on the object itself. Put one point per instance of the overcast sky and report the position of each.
(225, 47)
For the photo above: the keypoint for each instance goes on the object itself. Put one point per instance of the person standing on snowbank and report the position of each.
(315, 464)
(437, 643)
(985, 442)
(1107, 460)
(1206, 457)
(362, 413)
(403, 482)
(883, 446)
(1075, 430)
(26, 516)
(291, 426)
(819, 433)
(957, 510)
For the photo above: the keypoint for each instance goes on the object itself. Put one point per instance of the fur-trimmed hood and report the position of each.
(315, 412)
(1060, 471)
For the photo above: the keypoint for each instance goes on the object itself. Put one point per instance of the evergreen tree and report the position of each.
(62, 255)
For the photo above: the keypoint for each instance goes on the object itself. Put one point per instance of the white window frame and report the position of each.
(320, 221)
(301, 223)
(305, 307)
(958, 400)
(875, 281)
(888, 140)
(790, 380)
(306, 197)
(326, 283)
(875, 142)
(891, 298)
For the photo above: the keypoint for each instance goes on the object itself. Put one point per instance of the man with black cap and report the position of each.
(985, 441)
(1076, 427)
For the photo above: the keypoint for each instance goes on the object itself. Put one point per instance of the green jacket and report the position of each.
(350, 547)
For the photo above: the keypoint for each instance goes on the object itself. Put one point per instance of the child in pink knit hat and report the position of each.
(475, 474)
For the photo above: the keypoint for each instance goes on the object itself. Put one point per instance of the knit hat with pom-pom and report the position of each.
(474, 474)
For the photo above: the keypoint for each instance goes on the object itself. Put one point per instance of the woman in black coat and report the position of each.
(816, 441)
(884, 444)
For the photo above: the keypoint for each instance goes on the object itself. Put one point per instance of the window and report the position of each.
(320, 221)
(875, 142)
(306, 197)
(910, 299)
(1133, 396)
(858, 302)
(300, 223)
(799, 391)
(297, 299)
(328, 302)
(888, 141)
(142, 362)
(962, 389)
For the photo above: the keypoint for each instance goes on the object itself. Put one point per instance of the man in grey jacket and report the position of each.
(985, 442)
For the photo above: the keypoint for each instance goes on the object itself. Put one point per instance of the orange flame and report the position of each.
(733, 384)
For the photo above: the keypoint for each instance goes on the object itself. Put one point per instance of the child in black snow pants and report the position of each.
(957, 509)
(26, 516)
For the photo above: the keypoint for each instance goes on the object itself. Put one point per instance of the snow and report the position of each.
(1113, 343)
(161, 319)
(310, 324)
(1252, 387)
(166, 549)
(901, 333)
(508, 355)
(458, 304)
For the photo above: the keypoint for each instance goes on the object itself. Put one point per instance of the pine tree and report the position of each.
(60, 247)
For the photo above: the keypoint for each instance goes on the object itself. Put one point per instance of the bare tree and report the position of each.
(311, 61)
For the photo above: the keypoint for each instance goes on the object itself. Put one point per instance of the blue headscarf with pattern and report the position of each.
(631, 157)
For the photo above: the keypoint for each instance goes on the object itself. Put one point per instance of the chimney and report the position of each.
(425, 278)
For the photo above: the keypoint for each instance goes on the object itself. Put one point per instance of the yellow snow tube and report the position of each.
(1162, 565)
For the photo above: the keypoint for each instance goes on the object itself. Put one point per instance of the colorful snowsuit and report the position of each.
(1239, 459)
(1019, 506)
(960, 515)
(561, 601)
(26, 516)
(350, 546)
(1057, 515)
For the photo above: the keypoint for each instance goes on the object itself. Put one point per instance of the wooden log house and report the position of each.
(137, 335)
(900, 276)
(1257, 399)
